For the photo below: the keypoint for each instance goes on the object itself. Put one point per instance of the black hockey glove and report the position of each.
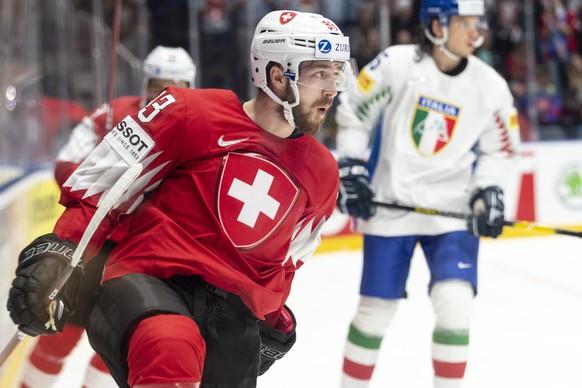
(39, 265)
(278, 340)
(488, 208)
(355, 194)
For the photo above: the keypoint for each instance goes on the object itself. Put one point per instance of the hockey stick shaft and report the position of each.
(10, 346)
(107, 203)
(522, 225)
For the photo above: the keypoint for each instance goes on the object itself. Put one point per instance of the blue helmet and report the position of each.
(444, 9)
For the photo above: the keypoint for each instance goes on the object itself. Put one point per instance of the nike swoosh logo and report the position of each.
(226, 143)
(462, 265)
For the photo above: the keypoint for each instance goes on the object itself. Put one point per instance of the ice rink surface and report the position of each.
(527, 323)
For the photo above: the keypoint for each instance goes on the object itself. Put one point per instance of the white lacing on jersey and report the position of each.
(304, 241)
(99, 172)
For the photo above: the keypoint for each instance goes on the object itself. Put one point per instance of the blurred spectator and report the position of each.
(306, 6)
(169, 23)
(548, 103)
(403, 37)
(485, 52)
(342, 12)
(575, 75)
(556, 39)
(358, 33)
(516, 70)
(568, 22)
(217, 51)
(402, 20)
(369, 47)
(577, 12)
(506, 28)
(223, 33)
(572, 111)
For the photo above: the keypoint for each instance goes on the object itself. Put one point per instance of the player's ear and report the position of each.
(436, 28)
(277, 79)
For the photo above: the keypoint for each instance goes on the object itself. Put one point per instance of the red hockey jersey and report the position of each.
(218, 197)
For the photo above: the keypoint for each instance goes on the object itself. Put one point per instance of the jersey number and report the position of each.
(148, 113)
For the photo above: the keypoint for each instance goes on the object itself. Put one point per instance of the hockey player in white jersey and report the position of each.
(446, 139)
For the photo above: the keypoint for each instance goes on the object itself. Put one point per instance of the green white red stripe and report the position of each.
(450, 352)
(361, 354)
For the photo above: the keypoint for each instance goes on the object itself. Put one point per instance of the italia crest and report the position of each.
(433, 125)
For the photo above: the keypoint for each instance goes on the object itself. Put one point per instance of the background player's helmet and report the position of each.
(289, 38)
(171, 63)
(443, 10)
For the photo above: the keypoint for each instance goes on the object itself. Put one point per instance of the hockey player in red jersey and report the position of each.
(229, 205)
(163, 67)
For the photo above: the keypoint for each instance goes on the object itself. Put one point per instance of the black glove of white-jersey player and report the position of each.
(355, 194)
(488, 212)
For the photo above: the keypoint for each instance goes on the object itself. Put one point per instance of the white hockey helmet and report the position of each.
(291, 37)
(171, 63)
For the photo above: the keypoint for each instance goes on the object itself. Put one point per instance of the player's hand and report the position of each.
(355, 194)
(488, 212)
(39, 266)
(278, 336)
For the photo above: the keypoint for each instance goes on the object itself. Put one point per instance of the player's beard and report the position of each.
(302, 113)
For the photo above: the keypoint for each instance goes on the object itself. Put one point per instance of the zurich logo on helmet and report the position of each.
(324, 46)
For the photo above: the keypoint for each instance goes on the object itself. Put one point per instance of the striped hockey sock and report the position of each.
(46, 359)
(450, 350)
(97, 375)
(360, 357)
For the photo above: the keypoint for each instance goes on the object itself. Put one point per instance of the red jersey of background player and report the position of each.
(88, 133)
(224, 199)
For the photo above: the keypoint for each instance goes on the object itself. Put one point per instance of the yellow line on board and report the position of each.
(338, 243)
(354, 241)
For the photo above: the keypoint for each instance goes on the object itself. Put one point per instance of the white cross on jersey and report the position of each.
(255, 197)
(286, 17)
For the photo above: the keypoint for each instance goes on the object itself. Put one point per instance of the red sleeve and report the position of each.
(153, 137)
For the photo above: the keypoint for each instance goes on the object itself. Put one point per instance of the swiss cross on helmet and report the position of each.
(289, 38)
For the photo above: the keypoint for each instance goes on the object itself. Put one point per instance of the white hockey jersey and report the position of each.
(439, 137)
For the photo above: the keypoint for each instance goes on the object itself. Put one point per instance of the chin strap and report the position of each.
(288, 112)
(441, 43)
(448, 53)
(287, 107)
